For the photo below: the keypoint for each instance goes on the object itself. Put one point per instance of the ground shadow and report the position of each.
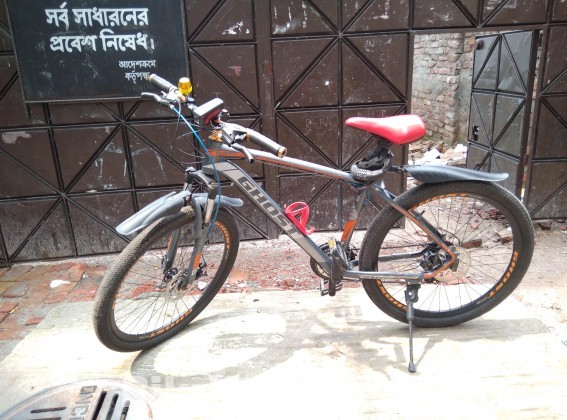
(376, 345)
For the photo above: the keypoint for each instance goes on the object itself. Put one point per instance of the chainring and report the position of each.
(351, 253)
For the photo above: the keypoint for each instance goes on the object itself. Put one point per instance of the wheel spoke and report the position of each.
(150, 300)
(470, 225)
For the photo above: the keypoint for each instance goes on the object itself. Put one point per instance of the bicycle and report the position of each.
(459, 238)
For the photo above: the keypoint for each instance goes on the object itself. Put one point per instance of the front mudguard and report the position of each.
(434, 174)
(168, 205)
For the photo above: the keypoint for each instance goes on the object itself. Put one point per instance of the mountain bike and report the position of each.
(440, 254)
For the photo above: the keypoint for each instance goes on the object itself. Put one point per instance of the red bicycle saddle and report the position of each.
(400, 129)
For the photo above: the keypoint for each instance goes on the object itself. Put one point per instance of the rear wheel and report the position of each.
(138, 305)
(486, 226)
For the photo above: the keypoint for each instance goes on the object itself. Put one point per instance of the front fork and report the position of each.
(201, 229)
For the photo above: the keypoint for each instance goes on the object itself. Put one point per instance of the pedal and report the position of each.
(324, 287)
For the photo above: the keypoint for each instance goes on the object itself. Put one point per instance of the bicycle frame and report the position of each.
(261, 199)
(193, 213)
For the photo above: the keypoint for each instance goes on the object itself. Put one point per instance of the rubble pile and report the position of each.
(437, 154)
(429, 153)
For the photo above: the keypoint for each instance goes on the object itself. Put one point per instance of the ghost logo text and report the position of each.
(276, 215)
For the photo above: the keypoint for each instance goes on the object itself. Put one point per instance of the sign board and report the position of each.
(96, 49)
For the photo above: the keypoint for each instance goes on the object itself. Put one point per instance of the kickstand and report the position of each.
(412, 286)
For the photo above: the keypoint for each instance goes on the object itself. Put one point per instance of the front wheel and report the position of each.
(140, 304)
(485, 225)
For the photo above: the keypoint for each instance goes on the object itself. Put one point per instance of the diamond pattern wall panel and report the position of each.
(330, 63)
(514, 12)
(223, 52)
(546, 194)
(295, 69)
(445, 14)
(502, 72)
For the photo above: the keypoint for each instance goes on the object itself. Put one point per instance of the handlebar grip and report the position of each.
(161, 83)
(266, 143)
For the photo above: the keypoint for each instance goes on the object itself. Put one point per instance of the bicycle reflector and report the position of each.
(184, 85)
(298, 213)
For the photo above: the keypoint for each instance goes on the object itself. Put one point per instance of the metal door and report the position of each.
(501, 97)
(331, 63)
(546, 189)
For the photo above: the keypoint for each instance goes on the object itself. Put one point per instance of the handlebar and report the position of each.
(161, 83)
(266, 143)
(212, 108)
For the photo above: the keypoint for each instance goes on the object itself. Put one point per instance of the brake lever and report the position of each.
(156, 98)
(244, 150)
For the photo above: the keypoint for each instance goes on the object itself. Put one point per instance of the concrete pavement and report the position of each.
(296, 355)
(259, 351)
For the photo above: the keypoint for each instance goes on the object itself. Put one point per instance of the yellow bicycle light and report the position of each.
(184, 86)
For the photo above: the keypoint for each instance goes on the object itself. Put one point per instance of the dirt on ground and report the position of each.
(544, 288)
(284, 266)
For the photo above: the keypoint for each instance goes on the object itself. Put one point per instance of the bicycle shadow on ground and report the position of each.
(246, 344)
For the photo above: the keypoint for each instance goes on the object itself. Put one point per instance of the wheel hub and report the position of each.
(435, 257)
(458, 272)
(175, 284)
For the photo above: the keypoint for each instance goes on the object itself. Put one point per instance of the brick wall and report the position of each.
(442, 74)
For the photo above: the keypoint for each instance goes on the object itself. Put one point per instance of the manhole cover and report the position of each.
(94, 399)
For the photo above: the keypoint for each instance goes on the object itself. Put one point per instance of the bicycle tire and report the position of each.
(501, 238)
(124, 288)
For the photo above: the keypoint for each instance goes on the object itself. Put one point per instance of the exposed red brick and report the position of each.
(16, 291)
(237, 276)
(39, 288)
(85, 290)
(33, 321)
(56, 298)
(32, 300)
(5, 286)
(60, 267)
(12, 334)
(81, 297)
(15, 272)
(95, 271)
(12, 322)
(69, 271)
(7, 306)
(35, 273)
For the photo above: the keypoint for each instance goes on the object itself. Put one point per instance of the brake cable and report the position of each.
(217, 177)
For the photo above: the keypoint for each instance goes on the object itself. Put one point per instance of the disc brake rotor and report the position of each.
(173, 286)
(459, 275)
